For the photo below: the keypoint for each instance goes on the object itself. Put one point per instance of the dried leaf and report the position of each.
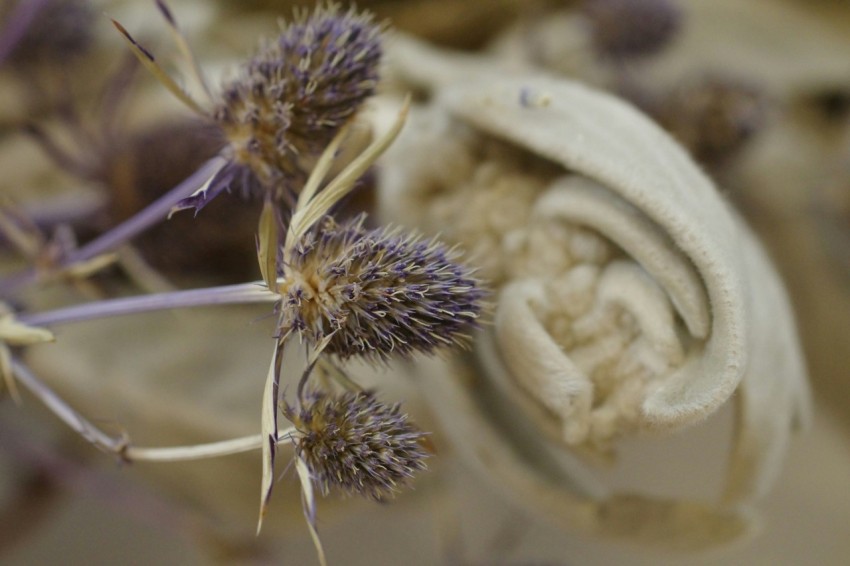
(308, 499)
(267, 244)
(7, 375)
(268, 430)
(147, 60)
(323, 165)
(305, 217)
(17, 334)
(183, 45)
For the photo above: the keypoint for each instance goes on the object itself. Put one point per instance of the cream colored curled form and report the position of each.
(630, 298)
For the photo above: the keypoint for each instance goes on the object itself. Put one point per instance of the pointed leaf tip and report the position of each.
(166, 13)
(123, 31)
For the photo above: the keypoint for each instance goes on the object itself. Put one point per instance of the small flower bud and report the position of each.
(380, 292)
(356, 443)
(714, 117)
(632, 28)
(296, 93)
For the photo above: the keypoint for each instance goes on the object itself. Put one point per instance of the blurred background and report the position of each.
(757, 91)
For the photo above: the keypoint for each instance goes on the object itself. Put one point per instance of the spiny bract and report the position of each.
(356, 443)
(379, 292)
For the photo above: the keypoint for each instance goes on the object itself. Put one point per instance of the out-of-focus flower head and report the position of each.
(714, 116)
(625, 29)
(39, 32)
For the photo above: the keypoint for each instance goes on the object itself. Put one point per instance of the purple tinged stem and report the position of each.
(243, 293)
(112, 239)
(62, 410)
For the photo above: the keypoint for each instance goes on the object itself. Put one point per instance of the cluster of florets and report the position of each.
(378, 292)
(294, 95)
(356, 443)
(632, 28)
(714, 116)
(59, 31)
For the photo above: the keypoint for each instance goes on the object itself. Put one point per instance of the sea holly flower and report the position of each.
(714, 116)
(336, 281)
(355, 443)
(347, 290)
(36, 32)
(377, 293)
(292, 97)
(626, 29)
(288, 101)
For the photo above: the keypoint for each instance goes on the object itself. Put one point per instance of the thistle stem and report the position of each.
(73, 209)
(65, 412)
(120, 445)
(110, 240)
(202, 451)
(226, 295)
(150, 215)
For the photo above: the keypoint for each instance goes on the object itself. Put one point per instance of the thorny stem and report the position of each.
(153, 213)
(226, 295)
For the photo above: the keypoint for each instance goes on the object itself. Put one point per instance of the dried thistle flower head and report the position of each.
(714, 117)
(632, 28)
(295, 94)
(356, 443)
(378, 292)
(58, 31)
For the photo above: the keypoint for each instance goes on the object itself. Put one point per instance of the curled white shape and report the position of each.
(731, 327)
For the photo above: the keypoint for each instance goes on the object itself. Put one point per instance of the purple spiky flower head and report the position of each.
(294, 95)
(377, 293)
(624, 29)
(356, 443)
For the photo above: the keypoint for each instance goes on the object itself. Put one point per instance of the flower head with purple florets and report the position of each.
(355, 443)
(286, 103)
(377, 293)
(292, 97)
